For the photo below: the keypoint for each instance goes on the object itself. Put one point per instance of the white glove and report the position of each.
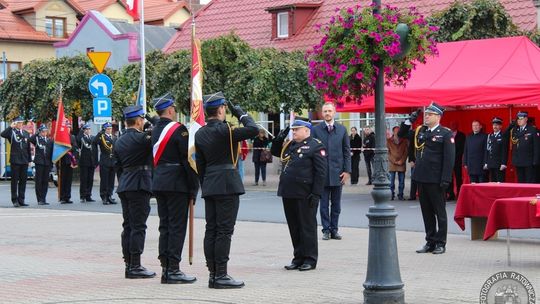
(485, 167)
(503, 167)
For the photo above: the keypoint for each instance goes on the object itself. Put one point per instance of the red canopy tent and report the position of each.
(474, 80)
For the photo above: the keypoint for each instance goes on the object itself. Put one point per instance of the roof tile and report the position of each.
(13, 27)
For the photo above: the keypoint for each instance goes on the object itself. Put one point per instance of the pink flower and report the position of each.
(359, 75)
(343, 68)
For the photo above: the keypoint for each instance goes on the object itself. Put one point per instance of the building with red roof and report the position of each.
(290, 24)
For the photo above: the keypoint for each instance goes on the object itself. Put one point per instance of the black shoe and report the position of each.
(335, 236)
(82, 200)
(292, 266)
(42, 203)
(400, 197)
(392, 198)
(439, 249)
(139, 272)
(427, 248)
(368, 183)
(412, 198)
(227, 282)
(306, 267)
(69, 202)
(90, 200)
(326, 236)
(111, 200)
(22, 204)
(176, 277)
(105, 201)
(16, 205)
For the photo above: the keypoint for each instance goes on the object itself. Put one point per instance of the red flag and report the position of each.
(62, 141)
(197, 110)
(133, 8)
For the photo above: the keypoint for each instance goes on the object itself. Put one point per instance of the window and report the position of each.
(10, 67)
(283, 25)
(55, 27)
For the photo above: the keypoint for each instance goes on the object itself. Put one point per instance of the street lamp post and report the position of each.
(383, 283)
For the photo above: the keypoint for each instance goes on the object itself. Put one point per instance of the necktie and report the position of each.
(330, 128)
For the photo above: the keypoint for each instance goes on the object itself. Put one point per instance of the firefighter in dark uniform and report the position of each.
(217, 146)
(133, 159)
(496, 156)
(525, 147)
(105, 140)
(435, 153)
(301, 184)
(19, 159)
(43, 162)
(67, 163)
(87, 163)
(174, 183)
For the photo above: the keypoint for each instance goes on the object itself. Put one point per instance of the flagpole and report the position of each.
(143, 58)
(191, 201)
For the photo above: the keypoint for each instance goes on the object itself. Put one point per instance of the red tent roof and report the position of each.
(252, 22)
(502, 71)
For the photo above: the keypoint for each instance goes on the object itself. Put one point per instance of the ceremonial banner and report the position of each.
(62, 141)
(133, 8)
(197, 110)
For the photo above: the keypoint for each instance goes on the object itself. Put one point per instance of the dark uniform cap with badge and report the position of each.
(301, 122)
(133, 111)
(214, 100)
(163, 102)
(434, 109)
(497, 120)
(106, 125)
(522, 114)
(42, 128)
(86, 126)
(18, 119)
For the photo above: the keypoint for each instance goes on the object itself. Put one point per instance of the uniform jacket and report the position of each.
(105, 143)
(369, 142)
(459, 142)
(20, 145)
(133, 158)
(355, 142)
(475, 150)
(304, 167)
(397, 154)
(435, 159)
(71, 157)
(173, 172)
(338, 151)
(259, 143)
(525, 146)
(88, 151)
(214, 160)
(496, 151)
(43, 150)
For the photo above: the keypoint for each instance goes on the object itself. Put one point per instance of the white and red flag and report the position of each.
(132, 8)
(197, 110)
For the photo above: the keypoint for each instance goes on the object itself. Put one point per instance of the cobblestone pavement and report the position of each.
(60, 256)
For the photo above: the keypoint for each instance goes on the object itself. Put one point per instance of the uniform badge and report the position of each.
(298, 151)
(323, 152)
(300, 155)
(184, 134)
(433, 139)
(452, 140)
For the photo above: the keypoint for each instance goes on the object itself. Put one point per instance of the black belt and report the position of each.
(137, 168)
(220, 167)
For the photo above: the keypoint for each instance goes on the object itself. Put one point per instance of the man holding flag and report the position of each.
(62, 142)
(67, 163)
(174, 183)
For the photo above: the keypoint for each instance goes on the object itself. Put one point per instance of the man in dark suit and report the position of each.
(301, 184)
(334, 137)
(133, 158)
(435, 154)
(496, 156)
(105, 140)
(356, 145)
(216, 146)
(43, 161)
(369, 152)
(411, 158)
(67, 163)
(473, 155)
(459, 143)
(87, 163)
(174, 183)
(525, 147)
(19, 159)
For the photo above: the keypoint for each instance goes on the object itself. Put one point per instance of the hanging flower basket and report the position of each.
(343, 62)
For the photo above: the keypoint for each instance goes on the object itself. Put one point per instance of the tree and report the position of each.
(479, 19)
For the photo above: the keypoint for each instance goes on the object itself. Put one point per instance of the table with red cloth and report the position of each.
(512, 213)
(475, 201)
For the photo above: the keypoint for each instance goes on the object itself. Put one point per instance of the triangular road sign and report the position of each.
(99, 60)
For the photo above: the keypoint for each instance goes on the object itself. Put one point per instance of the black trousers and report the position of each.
(19, 174)
(414, 186)
(433, 205)
(221, 212)
(525, 174)
(87, 181)
(42, 182)
(173, 215)
(369, 160)
(135, 211)
(458, 175)
(302, 222)
(477, 178)
(355, 163)
(66, 179)
(496, 175)
(106, 184)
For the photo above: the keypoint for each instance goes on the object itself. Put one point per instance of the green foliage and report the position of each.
(479, 19)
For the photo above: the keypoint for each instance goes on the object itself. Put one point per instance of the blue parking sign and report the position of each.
(102, 109)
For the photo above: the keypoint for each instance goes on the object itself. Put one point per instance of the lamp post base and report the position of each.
(384, 296)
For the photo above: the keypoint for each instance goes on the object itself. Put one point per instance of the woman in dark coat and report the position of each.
(356, 143)
(259, 143)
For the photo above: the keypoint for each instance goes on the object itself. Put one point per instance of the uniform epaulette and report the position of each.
(447, 129)
(320, 142)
